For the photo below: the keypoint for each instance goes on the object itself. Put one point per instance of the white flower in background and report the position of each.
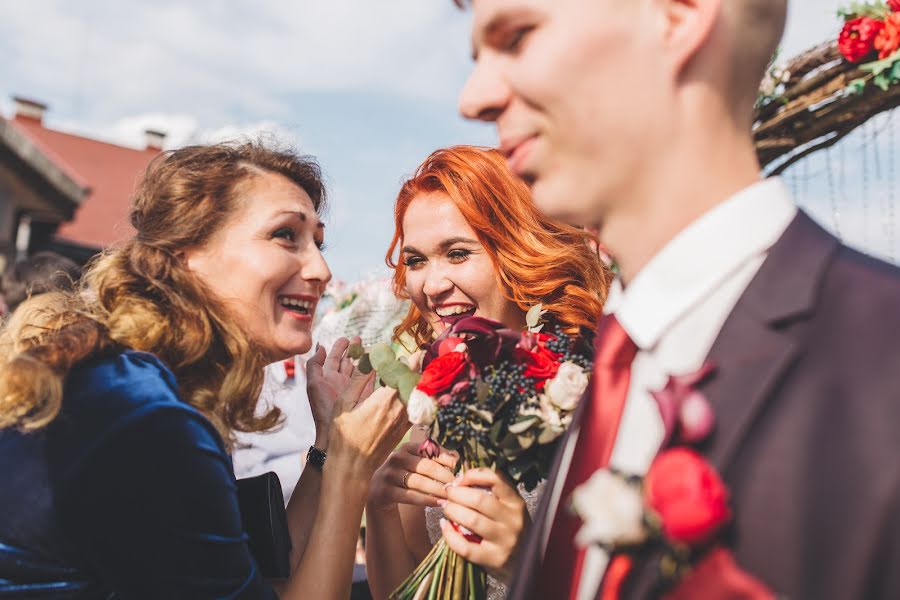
(567, 387)
(611, 509)
(421, 408)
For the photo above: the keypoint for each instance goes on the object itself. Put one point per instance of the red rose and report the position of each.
(857, 38)
(688, 495)
(894, 5)
(449, 345)
(442, 372)
(888, 39)
(540, 363)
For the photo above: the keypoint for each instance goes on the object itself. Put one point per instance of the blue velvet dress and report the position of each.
(128, 493)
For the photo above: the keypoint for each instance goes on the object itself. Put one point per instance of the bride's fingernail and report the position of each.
(441, 502)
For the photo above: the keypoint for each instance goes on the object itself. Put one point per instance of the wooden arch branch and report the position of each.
(816, 108)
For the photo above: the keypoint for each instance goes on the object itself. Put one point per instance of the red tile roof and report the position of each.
(110, 172)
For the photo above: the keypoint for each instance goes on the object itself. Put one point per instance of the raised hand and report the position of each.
(499, 517)
(327, 376)
(407, 478)
(364, 432)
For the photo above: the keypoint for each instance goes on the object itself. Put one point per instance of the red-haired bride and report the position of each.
(468, 240)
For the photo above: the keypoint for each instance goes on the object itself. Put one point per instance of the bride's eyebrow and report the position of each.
(443, 245)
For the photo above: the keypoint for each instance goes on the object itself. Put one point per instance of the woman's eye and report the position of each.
(321, 245)
(457, 256)
(514, 40)
(412, 262)
(285, 233)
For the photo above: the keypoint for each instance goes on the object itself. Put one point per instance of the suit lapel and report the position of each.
(763, 335)
(760, 340)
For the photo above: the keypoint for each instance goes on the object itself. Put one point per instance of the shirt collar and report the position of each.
(699, 258)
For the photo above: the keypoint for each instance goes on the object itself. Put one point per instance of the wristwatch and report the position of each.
(316, 457)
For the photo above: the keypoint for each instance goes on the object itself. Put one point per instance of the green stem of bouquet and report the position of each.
(453, 578)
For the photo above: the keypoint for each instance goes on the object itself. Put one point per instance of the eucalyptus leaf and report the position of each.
(365, 365)
(380, 354)
(391, 372)
(355, 351)
(407, 384)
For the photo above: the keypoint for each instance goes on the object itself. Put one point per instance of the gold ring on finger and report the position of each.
(406, 479)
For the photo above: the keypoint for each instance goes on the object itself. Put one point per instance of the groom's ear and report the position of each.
(687, 27)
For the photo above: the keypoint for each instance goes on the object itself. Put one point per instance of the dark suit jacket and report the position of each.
(807, 400)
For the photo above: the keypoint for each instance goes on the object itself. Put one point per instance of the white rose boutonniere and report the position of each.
(612, 510)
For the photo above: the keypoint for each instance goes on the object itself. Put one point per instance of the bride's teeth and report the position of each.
(453, 310)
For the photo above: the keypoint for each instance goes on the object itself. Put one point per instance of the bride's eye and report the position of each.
(412, 261)
(458, 255)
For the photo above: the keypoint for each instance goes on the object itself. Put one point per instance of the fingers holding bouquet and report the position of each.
(485, 521)
(408, 478)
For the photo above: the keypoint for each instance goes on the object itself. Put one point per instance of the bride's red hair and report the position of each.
(537, 260)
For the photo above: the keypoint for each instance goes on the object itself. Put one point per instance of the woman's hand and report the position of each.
(327, 376)
(364, 432)
(499, 517)
(407, 478)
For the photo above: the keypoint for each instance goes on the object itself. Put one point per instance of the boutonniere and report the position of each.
(686, 413)
(681, 503)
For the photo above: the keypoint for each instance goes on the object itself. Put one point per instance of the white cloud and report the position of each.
(222, 58)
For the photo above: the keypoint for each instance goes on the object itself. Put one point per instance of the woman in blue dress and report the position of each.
(118, 403)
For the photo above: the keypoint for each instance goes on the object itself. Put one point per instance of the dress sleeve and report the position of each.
(153, 510)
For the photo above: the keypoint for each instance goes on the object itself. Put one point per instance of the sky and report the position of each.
(369, 88)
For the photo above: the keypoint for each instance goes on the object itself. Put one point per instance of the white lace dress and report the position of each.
(496, 590)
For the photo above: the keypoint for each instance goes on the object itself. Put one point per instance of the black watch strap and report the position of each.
(316, 457)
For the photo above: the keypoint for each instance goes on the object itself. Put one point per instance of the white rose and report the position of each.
(566, 388)
(612, 511)
(421, 408)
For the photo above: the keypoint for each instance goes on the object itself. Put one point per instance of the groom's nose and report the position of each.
(485, 94)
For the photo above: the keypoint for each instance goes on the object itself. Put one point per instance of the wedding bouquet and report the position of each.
(498, 397)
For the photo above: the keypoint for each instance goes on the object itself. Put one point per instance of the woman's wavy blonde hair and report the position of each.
(140, 296)
(537, 260)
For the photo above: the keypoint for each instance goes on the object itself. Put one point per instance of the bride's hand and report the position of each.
(500, 518)
(407, 478)
(327, 376)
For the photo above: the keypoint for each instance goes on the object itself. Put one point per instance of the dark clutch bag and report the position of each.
(265, 522)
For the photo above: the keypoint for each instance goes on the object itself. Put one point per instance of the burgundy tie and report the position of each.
(561, 568)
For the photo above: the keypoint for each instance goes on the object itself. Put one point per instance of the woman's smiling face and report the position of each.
(266, 264)
(449, 274)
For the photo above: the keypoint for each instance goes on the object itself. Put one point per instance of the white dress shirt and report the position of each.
(673, 311)
(282, 450)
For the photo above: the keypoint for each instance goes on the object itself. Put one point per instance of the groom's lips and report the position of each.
(517, 150)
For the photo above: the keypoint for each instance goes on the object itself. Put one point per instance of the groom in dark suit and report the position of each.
(634, 116)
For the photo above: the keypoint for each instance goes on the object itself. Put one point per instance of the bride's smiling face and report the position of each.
(449, 274)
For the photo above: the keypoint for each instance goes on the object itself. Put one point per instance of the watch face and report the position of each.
(315, 457)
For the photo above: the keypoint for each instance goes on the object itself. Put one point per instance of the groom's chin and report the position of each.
(559, 201)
